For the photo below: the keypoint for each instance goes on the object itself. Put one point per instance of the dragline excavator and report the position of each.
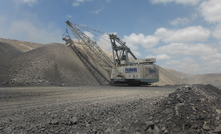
(124, 68)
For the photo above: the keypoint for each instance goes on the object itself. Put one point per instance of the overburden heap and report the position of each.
(190, 109)
(47, 65)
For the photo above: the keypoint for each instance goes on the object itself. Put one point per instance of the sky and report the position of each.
(184, 35)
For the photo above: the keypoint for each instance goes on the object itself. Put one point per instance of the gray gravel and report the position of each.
(106, 109)
(99, 109)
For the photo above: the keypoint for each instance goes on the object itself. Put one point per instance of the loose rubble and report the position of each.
(190, 109)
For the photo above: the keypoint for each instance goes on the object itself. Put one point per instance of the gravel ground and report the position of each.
(96, 109)
(187, 109)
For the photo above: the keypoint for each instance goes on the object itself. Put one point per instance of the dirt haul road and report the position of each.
(95, 109)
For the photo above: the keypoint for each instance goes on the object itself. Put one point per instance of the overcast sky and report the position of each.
(184, 35)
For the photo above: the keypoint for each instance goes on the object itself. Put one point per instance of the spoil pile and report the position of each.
(52, 64)
(32, 64)
(190, 109)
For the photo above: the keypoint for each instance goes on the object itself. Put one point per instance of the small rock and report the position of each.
(149, 131)
(108, 130)
(206, 127)
(74, 120)
(156, 130)
(156, 121)
(8, 130)
(218, 129)
(54, 122)
(163, 129)
(4, 83)
(124, 129)
(87, 125)
(1, 127)
(150, 124)
(166, 132)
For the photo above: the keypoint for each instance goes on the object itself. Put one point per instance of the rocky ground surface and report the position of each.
(108, 109)
(190, 109)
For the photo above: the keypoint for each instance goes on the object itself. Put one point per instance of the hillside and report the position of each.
(51, 64)
(214, 79)
(168, 78)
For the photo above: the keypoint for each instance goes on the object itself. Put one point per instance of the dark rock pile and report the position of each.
(190, 109)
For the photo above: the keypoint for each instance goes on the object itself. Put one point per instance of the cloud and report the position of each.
(69, 16)
(89, 34)
(97, 11)
(213, 56)
(188, 34)
(141, 39)
(217, 32)
(134, 49)
(211, 10)
(104, 42)
(77, 3)
(28, 2)
(185, 2)
(193, 65)
(161, 57)
(186, 49)
(26, 30)
(185, 52)
(184, 20)
(213, 64)
(181, 65)
(180, 21)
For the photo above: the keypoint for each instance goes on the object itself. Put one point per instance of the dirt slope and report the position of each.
(26, 63)
(168, 78)
(214, 79)
(52, 64)
(21, 46)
